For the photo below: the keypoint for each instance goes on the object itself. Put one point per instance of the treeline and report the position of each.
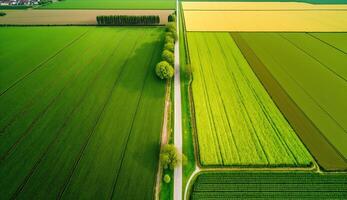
(165, 68)
(14, 7)
(127, 20)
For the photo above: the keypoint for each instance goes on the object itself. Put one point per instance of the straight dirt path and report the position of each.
(178, 116)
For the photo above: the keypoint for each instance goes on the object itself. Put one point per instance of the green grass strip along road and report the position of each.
(237, 122)
(86, 124)
(269, 185)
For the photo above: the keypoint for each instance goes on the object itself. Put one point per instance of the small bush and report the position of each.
(2, 14)
(169, 46)
(174, 33)
(169, 39)
(172, 17)
(169, 34)
(164, 70)
(167, 178)
(171, 26)
(168, 56)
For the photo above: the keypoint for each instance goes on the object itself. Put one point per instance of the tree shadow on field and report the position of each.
(144, 62)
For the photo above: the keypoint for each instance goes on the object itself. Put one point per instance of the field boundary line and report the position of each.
(190, 182)
(307, 53)
(44, 62)
(323, 41)
(114, 185)
(58, 132)
(63, 188)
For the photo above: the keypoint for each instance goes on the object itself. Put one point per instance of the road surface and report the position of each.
(178, 116)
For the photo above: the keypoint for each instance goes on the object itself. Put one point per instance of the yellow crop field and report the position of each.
(285, 17)
(259, 6)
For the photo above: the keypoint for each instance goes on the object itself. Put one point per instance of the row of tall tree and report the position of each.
(127, 20)
(165, 69)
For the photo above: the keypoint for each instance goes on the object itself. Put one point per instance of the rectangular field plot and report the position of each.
(265, 17)
(113, 4)
(306, 74)
(269, 185)
(69, 17)
(237, 122)
(80, 112)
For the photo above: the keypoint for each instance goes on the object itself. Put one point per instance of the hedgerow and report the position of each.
(164, 68)
(127, 20)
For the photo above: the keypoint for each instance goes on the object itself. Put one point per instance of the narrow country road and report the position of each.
(178, 115)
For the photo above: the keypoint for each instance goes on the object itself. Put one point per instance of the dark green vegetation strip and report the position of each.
(14, 7)
(305, 1)
(187, 106)
(113, 4)
(307, 79)
(237, 122)
(270, 185)
(87, 123)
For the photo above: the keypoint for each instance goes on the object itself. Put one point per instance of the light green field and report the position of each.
(237, 122)
(311, 69)
(269, 185)
(113, 4)
(80, 112)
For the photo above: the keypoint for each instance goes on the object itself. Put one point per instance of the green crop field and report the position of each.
(311, 69)
(113, 4)
(80, 112)
(269, 185)
(237, 122)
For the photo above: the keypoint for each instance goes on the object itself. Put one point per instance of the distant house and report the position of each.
(19, 2)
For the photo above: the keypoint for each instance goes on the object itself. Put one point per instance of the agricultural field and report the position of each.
(264, 17)
(80, 112)
(269, 185)
(311, 74)
(237, 123)
(113, 4)
(69, 17)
